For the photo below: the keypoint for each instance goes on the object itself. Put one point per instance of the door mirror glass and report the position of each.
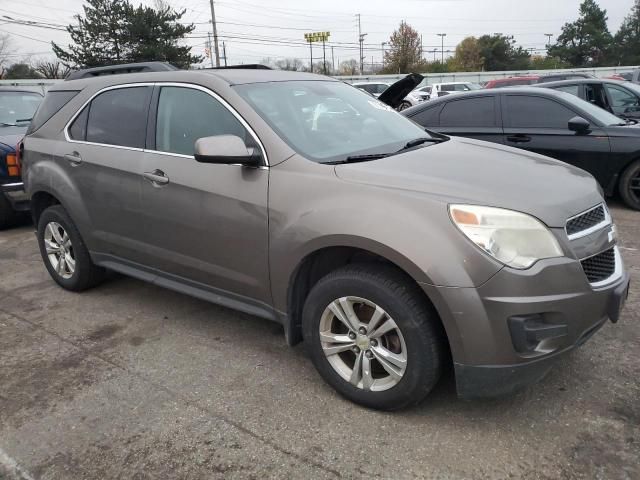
(579, 125)
(226, 150)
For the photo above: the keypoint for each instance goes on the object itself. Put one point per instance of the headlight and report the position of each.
(513, 238)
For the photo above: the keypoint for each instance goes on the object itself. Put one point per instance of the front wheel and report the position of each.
(373, 336)
(630, 186)
(403, 106)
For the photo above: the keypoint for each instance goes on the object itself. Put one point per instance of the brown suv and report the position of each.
(305, 201)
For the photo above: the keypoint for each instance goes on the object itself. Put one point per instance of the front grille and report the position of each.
(586, 220)
(600, 267)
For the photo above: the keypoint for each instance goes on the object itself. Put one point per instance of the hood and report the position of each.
(470, 171)
(10, 136)
(394, 95)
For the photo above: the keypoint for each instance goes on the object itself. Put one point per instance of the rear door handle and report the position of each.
(157, 177)
(73, 158)
(519, 138)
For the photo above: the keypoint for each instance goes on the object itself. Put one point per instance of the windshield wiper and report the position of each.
(24, 120)
(419, 141)
(5, 124)
(359, 158)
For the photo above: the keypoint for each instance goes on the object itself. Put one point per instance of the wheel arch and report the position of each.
(322, 261)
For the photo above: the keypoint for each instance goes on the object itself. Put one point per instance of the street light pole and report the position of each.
(442, 35)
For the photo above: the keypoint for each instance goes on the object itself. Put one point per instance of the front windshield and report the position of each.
(17, 108)
(603, 117)
(329, 121)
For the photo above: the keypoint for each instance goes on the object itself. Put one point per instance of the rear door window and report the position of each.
(469, 112)
(523, 111)
(119, 117)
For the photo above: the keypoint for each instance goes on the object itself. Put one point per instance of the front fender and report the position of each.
(310, 212)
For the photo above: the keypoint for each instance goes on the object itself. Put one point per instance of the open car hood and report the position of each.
(394, 95)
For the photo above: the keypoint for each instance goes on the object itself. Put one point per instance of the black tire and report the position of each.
(404, 106)
(7, 214)
(631, 178)
(85, 274)
(416, 319)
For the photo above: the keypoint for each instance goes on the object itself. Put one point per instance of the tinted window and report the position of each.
(53, 101)
(119, 117)
(572, 89)
(78, 129)
(622, 100)
(535, 112)
(185, 115)
(448, 88)
(428, 117)
(380, 87)
(470, 112)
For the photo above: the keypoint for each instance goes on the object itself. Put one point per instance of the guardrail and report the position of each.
(479, 77)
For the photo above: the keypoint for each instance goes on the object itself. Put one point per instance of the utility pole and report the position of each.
(361, 41)
(215, 34)
(324, 57)
(224, 52)
(382, 48)
(548, 35)
(333, 63)
(435, 50)
(209, 47)
(442, 35)
(311, 56)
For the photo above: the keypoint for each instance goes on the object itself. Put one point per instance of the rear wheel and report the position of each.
(630, 185)
(403, 106)
(64, 252)
(373, 336)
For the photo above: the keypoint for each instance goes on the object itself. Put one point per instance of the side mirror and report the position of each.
(225, 150)
(579, 125)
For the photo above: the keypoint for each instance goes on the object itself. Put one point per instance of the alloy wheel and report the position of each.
(634, 186)
(59, 250)
(363, 343)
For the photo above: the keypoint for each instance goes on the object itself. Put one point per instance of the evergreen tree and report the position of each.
(587, 41)
(627, 40)
(501, 53)
(114, 31)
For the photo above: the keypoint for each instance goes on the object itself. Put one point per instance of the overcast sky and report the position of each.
(255, 29)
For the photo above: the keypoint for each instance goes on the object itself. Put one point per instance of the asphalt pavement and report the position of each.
(129, 380)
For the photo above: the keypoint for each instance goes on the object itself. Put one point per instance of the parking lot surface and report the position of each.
(129, 380)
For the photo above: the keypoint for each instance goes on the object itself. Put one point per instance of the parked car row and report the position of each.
(16, 110)
(390, 250)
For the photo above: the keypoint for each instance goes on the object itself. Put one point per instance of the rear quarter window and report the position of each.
(428, 117)
(52, 103)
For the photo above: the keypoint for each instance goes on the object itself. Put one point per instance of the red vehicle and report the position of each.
(512, 81)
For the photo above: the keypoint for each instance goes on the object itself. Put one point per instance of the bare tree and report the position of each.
(5, 49)
(51, 69)
(292, 64)
(349, 67)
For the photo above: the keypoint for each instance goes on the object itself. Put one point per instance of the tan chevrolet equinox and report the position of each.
(391, 251)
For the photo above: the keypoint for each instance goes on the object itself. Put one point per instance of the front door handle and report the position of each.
(157, 177)
(519, 138)
(73, 158)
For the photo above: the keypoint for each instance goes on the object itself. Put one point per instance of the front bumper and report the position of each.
(15, 194)
(508, 332)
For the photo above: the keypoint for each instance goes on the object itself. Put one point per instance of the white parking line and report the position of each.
(11, 469)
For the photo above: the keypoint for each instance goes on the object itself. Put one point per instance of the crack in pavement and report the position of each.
(267, 441)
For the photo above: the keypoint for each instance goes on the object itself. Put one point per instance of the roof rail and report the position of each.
(123, 68)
